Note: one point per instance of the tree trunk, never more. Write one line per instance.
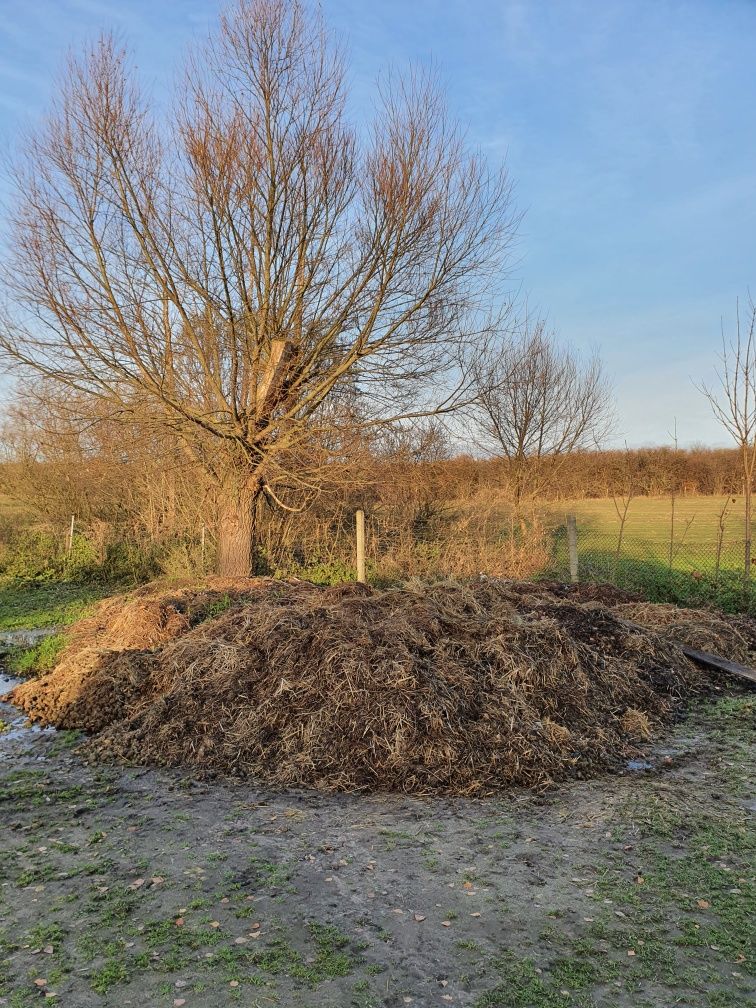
(236, 535)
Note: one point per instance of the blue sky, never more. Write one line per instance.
(627, 126)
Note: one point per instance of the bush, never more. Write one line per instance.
(32, 554)
(82, 561)
(319, 570)
(182, 560)
(128, 561)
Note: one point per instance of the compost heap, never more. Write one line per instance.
(428, 688)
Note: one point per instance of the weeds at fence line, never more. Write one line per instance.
(701, 564)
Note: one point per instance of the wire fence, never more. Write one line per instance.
(709, 568)
(688, 553)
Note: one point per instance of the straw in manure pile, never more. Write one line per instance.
(732, 637)
(430, 688)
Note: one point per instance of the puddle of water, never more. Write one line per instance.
(7, 683)
(24, 638)
(17, 723)
(639, 764)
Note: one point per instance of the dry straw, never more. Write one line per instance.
(429, 688)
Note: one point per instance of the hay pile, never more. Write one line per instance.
(97, 678)
(432, 688)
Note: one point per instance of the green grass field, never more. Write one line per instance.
(698, 571)
(648, 530)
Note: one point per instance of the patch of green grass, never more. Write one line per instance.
(46, 934)
(270, 874)
(91, 944)
(35, 874)
(331, 959)
(732, 713)
(23, 999)
(22, 784)
(113, 973)
(696, 883)
(38, 659)
(116, 905)
(576, 974)
(166, 935)
(219, 606)
(468, 945)
(522, 985)
(65, 739)
(230, 960)
(396, 838)
(27, 605)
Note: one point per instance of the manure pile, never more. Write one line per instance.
(429, 688)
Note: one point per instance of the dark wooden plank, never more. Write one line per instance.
(720, 664)
(704, 658)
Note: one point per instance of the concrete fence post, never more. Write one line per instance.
(572, 547)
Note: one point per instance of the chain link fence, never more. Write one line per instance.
(707, 569)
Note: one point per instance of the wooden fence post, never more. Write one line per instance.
(71, 534)
(572, 547)
(359, 519)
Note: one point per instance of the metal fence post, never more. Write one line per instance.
(572, 547)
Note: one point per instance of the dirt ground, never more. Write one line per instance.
(141, 887)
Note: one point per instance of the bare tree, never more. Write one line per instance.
(538, 402)
(733, 404)
(64, 454)
(622, 498)
(251, 272)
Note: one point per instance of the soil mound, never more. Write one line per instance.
(98, 676)
(606, 594)
(428, 688)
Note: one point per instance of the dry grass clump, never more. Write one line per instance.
(101, 670)
(431, 688)
(732, 637)
(636, 724)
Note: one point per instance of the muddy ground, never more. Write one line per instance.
(123, 886)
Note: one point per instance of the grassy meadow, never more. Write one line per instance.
(648, 529)
(704, 566)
